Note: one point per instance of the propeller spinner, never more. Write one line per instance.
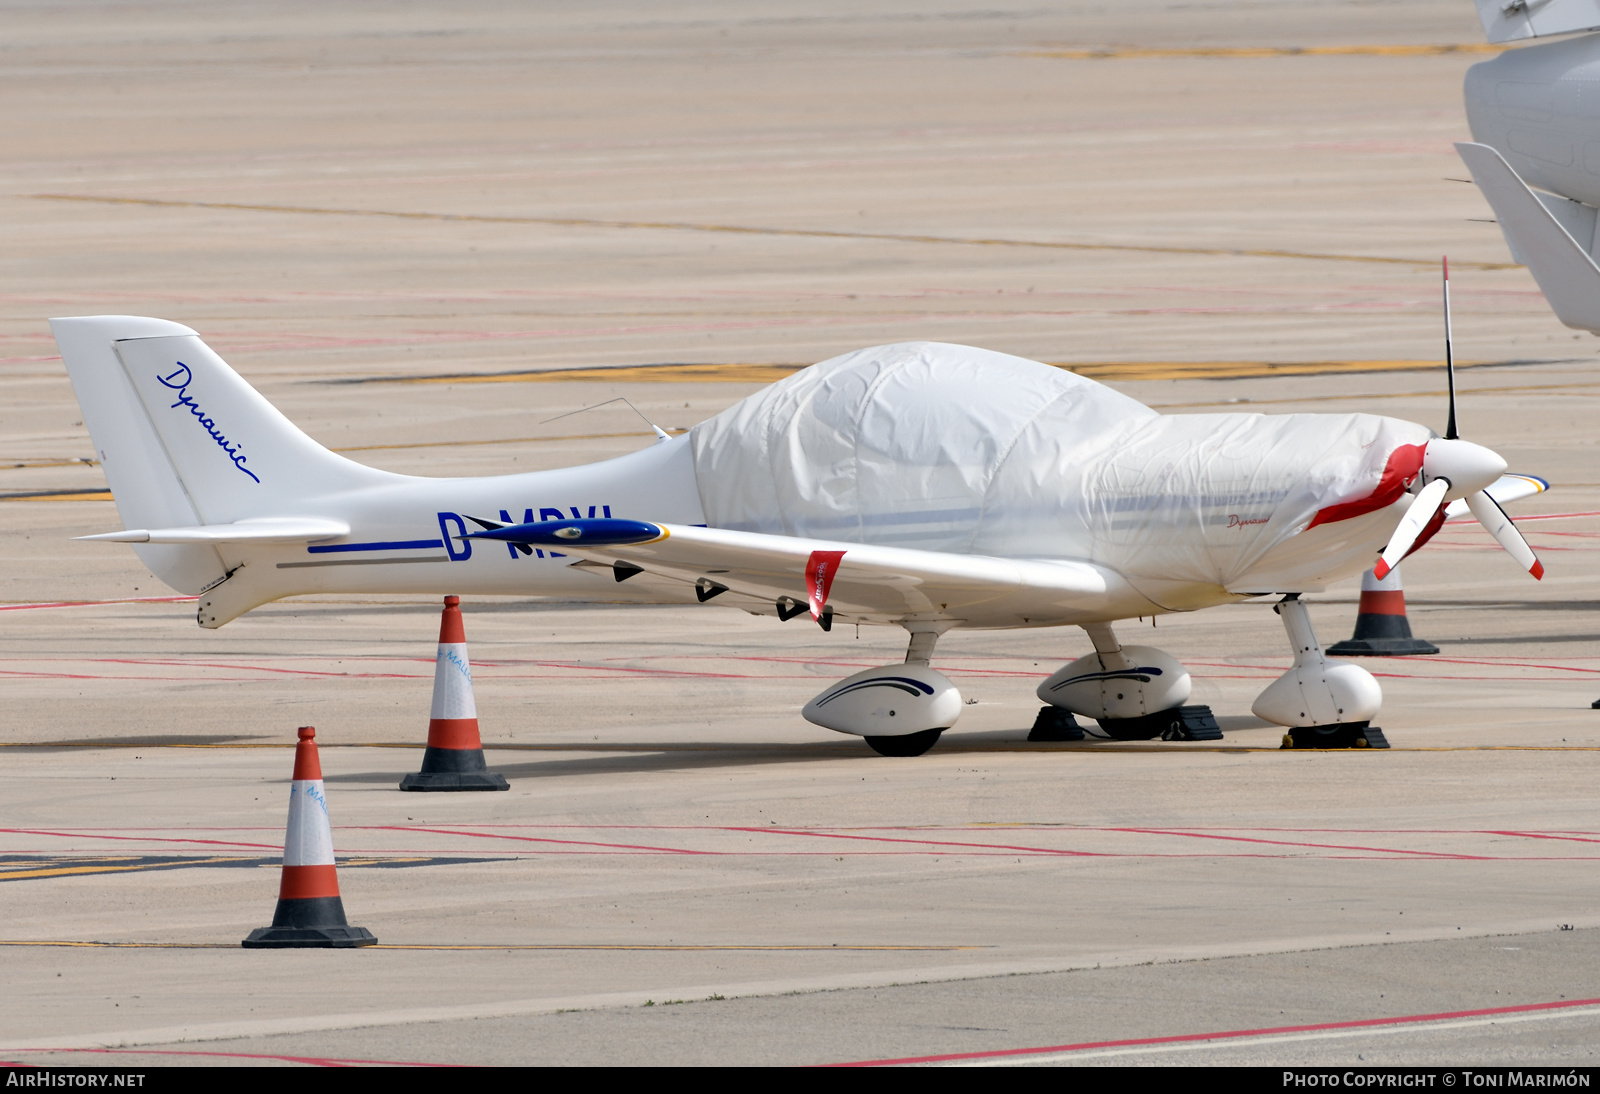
(1451, 469)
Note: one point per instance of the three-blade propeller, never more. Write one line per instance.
(1451, 469)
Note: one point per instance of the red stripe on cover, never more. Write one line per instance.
(1404, 463)
(454, 733)
(450, 628)
(307, 765)
(1383, 602)
(304, 882)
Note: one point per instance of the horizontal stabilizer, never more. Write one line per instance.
(1566, 274)
(262, 530)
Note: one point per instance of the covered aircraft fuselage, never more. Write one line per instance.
(944, 449)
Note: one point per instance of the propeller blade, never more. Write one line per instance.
(1416, 519)
(1450, 433)
(1497, 524)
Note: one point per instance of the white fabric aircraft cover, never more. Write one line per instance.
(950, 448)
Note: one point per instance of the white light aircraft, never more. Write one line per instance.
(919, 485)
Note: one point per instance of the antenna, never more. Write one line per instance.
(1450, 433)
(661, 434)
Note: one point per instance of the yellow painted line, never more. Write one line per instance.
(87, 495)
(1115, 54)
(537, 947)
(68, 871)
(821, 748)
(667, 948)
(770, 373)
(670, 374)
(120, 945)
(755, 230)
(503, 440)
(1245, 404)
(1245, 370)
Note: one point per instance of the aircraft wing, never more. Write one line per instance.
(1505, 490)
(786, 575)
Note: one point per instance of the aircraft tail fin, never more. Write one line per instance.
(184, 441)
(1541, 238)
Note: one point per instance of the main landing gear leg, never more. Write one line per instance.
(919, 651)
(1135, 693)
(1323, 703)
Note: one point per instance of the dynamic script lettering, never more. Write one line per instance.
(179, 382)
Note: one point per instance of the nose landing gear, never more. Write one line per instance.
(1324, 703)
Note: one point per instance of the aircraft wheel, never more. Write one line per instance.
(912, 744)
(1166, 724)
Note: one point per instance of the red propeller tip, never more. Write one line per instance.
(1537, 570)
(1381, 570)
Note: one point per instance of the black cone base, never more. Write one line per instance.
(324, 938)
(1341, 735)
(454, 769)
(1382, 647)
(315, 922)
(1382, 636)
(454, 780)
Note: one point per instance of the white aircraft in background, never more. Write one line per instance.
(1535, 119)
(919, 485)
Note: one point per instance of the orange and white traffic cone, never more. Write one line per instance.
(1382, 629)
(454, 759)
(309, 912)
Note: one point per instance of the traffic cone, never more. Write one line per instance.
(309, 912)
(1382, 629)
(454, 759)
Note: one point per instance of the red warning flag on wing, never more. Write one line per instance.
(820, 568)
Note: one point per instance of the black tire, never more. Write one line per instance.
(911, 744)
(1147, 728)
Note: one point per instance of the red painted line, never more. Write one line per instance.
(543, 839)
(1422, 661)
(1510, 664)
(92, 603)
(149, 839)
(1010, 848)
(1552, 516)
(314, 1061)
(1545, 835)
(1292, 843)
(167, 663)
(1222, 1035)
